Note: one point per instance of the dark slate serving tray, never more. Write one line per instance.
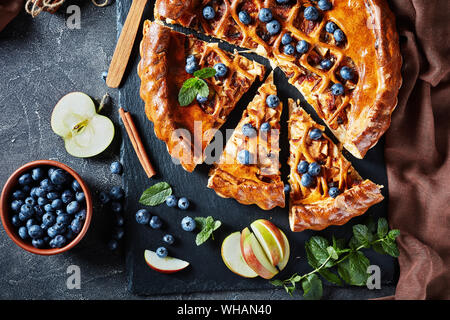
(207, 271)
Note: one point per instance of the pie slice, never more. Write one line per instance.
(249, 168)
(162, 69)
(325, 188)
(348, 69)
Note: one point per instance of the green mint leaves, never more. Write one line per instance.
(156, 194)
(339, 262)
(193, 86)
(208, 226)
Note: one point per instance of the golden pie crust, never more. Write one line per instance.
(313, 208)
(371, 49)
(259, 182)
(188, 130)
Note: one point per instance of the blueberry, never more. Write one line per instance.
(315, 134)
(26, 189)
(50, 171)
(244, 17)
(248, 130)
(116, 207)
(59, 211)
(188, 224)
(201, 99)
(80, 197)
(23, 233)
(286, 39)
(27, 210)
(337, 89)
(30, 222)
(16, 205)
(143, 216)
(118, 233)
(346, 73)
(324, 5)
(53, 195)
(73, 207)
(104, 75)
(48, 219)
(209, 13)
(244, 157)
(15, 220)
(69, 234)
(191, 67)
(272, 101)
(33, 192)
(25, 179)
(65, 219)
(221, 70)
(333, 192)
(265, 15)
(171, 201)
(58, 242)
(35, 232)
(76, 225)
(37, 174)
(282, 1)
(326, 64)
(59, 227)
(116, 167)
(113, 245)
(162, 252)
(330, 27)
(306, 180)
(190, 58)
(302, 167)
(40, 192)
(118, 219)
(30, 201)
(76, 186)
(42, 201)
(104, 197)
(59, 176)
(265, 127)
(273, 27)
(302, 46)
(314, 169)
(117, 193)
(67, 196)
(38, 211)
(311, 13)
(47, 185)
(289, 49)
(155, 222)
(287, 187)
(183, 203)
(38, 243)
(81, 215)
(169, 239)
(18, 195)
(338, 35)
(51, 232)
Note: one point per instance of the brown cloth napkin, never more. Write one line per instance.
(9, 9)
(417, 151)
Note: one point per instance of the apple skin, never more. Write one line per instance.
(282, 264)
(255, 257)
(232, 256)
(271, 239)
(164, 265)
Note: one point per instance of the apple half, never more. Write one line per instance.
(232, 256)
(271, 240)
(164, 265)
(85, 132)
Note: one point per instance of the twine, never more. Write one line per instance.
(35, 7)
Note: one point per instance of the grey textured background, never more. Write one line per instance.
(40, 61)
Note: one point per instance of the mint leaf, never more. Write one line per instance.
(205, 73)
(156, 194)
(370, 223)
(390, 247)
(277, 283)
(216, 225)
(316, 251)
(393, 234)
(312, 287)
(353, 270)
(330, 276)
(188, 91)
(332, 253)
(202, 88)
(362, 235)
(383, 228)
(207, 226)
(200, 221)
(202, 236)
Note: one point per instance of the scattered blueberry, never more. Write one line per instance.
(265, 15)
(190, 59)
(183, 203)
(333, 192)
(104, 75)
(314, 169)
(113, 245)
(338, 35)
(117, 193)
(118, 233)
(118, 219)
(273, 27)
(248, 130)
(306, 180)
(169, 239)
(209, 13)
(37, 174)
(73, 207)
(116, 167)
(324, 5)
(162, 252)
(289, 49)
(25, 179)
(346, 73)
(244, 157)
(265, 127)
(287, 187)
(302, 46)
(315, 134)
(244, 17)
(311, 13)
(337, 89)
(272, 101)
(201, 99)
(116, 207)
(58, 176)
(104, 197)
(330, 27)
(171, 201)
(326, 64)
(221, 70)
(143, 216)
(191, 67)
(303, 167)
(155, 222)
(286, 39)
(188, 224)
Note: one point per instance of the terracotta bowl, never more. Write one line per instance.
(5, 210)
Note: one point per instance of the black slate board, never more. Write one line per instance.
(207, 272)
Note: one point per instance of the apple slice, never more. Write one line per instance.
(232, 256)
(85, 132)
(255, 257)
(282, 264)
(164, 265)
(271, 240)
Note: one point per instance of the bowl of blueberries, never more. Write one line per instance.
(46, 207)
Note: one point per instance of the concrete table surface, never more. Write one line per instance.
(41, 61)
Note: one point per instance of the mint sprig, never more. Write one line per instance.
(156, 194)
(208, 226)
(348, 260)
(196, 85)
